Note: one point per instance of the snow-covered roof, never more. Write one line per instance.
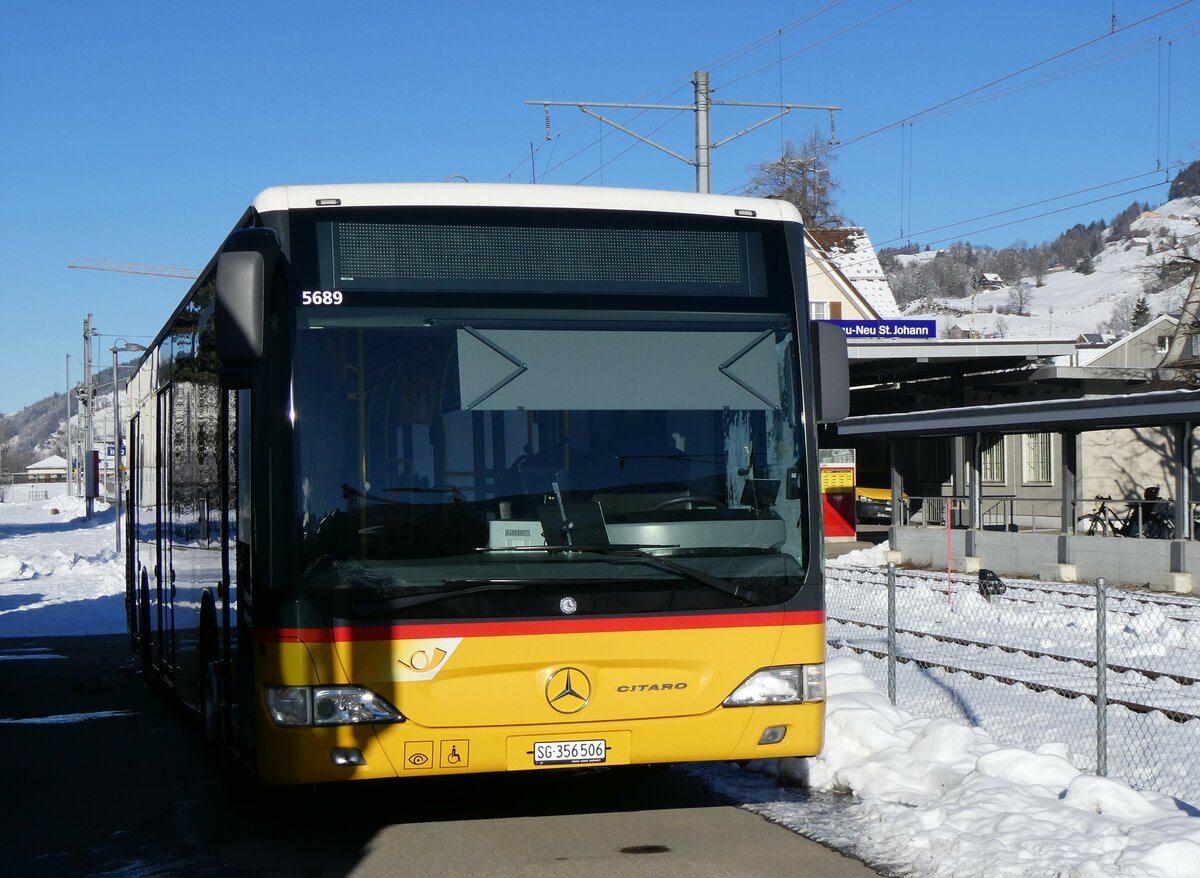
(1154, 327)
(851, 251)
(51, 463)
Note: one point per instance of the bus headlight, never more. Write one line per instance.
(328, 706)
(786, 685)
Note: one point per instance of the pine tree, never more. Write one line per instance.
(1141, 314)
(1186, 183)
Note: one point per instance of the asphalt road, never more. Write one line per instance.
(131, 792)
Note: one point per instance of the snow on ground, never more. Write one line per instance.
(60, 573)
(927, 796)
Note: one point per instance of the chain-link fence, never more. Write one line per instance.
(1110, 674)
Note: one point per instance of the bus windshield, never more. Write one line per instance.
(452, 463)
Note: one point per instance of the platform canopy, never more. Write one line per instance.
(1062, 415)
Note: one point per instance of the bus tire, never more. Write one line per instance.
(209, 674)
(210, 704)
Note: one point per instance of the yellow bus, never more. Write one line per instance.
(445, 478)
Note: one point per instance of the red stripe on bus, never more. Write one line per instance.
(346, 633)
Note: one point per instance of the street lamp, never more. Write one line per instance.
(119, 346)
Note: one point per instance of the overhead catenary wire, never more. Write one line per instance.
(954, 104)
(1039, 203)
(1046, 213)
(982, 93)
(921, 114)
(819, 42)
(1170, 44)
(1120, 54)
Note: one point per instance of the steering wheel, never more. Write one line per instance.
(690, 502)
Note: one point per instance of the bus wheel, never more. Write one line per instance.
(210, 673)
(210, 703)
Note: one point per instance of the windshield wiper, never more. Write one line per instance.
(465, 587)
(746, 597)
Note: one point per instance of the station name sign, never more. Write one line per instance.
(888, 328)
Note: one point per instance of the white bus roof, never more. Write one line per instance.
(518, 195)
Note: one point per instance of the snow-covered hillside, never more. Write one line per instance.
(1070, 304)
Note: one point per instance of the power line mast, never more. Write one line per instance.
(86, 393)
(701, 106)
(86, 467)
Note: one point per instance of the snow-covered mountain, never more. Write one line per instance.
(1071, 303)
(40, 429)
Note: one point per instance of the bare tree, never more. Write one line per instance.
(1038, 263)
(1020, 297)
(802, 176)
(1120, 321)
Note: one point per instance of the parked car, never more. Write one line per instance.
(873, 504)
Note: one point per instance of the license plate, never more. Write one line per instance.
(569, 752)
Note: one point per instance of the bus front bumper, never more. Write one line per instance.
(405, 749)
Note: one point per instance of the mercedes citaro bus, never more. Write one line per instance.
(446, 478)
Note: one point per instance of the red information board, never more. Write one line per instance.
(838, 473)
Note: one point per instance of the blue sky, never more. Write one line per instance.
(138, 132)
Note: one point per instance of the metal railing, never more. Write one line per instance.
(942, 510)
(1133, 517)
(997, 512)
(992, 653)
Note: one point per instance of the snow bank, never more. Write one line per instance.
(948, 799)
(875, 556)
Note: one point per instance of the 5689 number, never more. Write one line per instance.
(321, 297)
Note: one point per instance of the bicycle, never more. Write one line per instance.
(1157, 516)
(1105, 521)
(1149, 517)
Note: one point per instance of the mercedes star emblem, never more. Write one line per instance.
(568, 690)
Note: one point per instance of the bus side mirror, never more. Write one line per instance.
(245, 266)
(831, 362)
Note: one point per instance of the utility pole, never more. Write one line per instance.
(70, 450)
(86, 465)
(116, 420)
(700, 106)
(117, 471)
